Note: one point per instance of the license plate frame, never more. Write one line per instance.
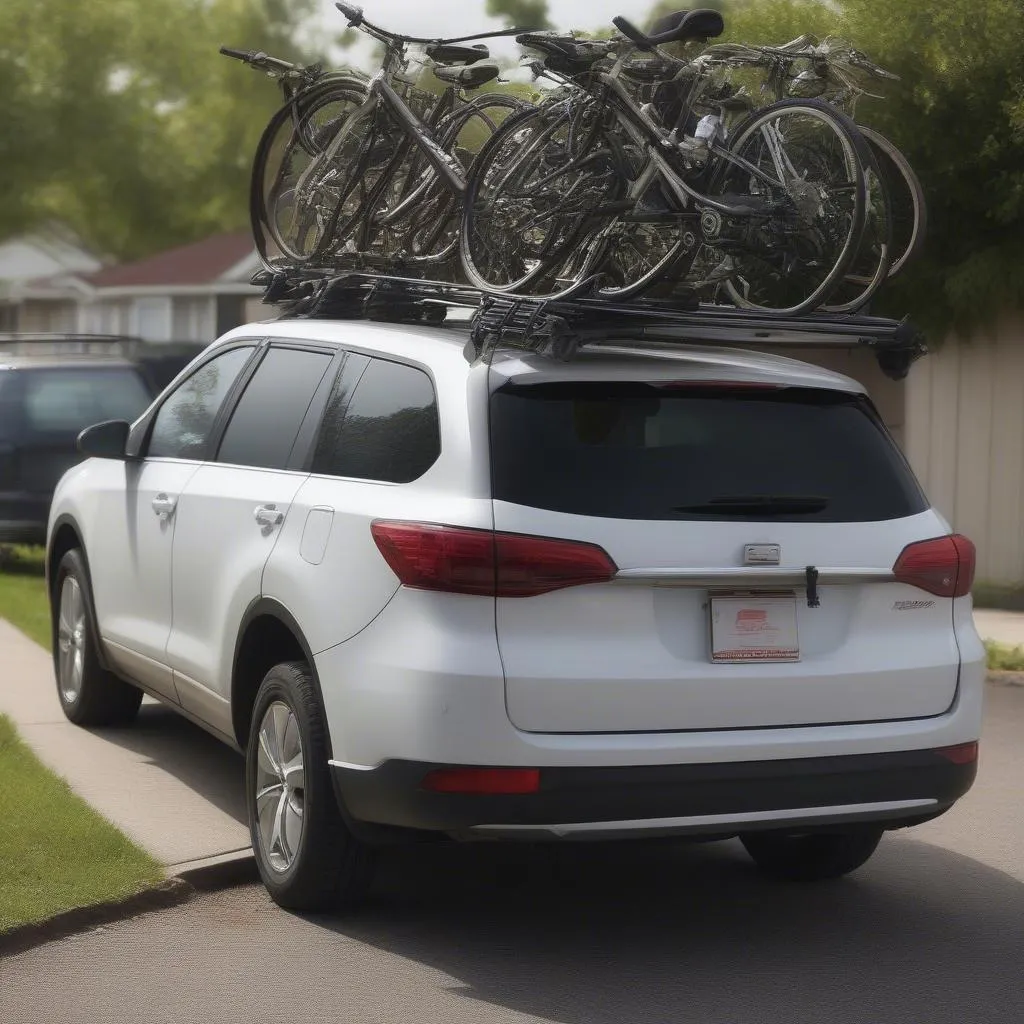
(753, 628)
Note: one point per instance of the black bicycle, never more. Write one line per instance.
(369, 172)
(593, 191)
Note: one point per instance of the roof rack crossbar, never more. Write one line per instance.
(559, 328)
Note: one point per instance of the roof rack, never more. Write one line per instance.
(559, 328)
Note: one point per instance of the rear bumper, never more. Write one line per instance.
(895, 789)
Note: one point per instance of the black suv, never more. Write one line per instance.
(45, 402)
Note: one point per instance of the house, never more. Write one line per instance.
(191, 293)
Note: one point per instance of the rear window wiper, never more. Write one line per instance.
(759, 504)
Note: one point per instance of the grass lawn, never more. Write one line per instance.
(57, 853)
(23, 592)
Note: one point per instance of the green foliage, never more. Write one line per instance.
(957, 113)
(526, 14)
(121, 119)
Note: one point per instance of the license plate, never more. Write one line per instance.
(746, 629)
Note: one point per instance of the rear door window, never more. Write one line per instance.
(266, 421)
(646, 451)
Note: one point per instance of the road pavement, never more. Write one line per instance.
(931, 931)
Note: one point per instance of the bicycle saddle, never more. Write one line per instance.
(453, 53)
(675, 28)
(564, 53)
(468, 76)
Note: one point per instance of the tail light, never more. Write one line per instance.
(962, 753)
(463, 561)
(481, 781)
(943, 566)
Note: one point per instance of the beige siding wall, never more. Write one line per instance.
(256, 310)
(965, 440)
(38, 317)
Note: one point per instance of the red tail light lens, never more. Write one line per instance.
(462, 561)
(489, 781)
(962, 753)
(943, 566)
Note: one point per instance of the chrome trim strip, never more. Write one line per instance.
(750, 576)
(792, 815)
(353, 767)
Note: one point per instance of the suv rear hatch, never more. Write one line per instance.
(712, 498)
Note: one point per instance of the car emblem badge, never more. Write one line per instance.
(762, 554)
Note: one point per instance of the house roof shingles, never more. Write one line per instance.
(196, 264)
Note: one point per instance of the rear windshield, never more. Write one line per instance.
(66, 400)
(645, 451)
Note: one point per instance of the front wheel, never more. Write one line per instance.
(88, 693)
(307, 858)
(798, 169)
(813, 856)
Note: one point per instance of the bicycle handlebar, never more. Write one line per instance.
(630, 31)
(259, 59)
(246, 56)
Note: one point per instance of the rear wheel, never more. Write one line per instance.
(802, 174)
(812, 856)
(88, 694)
(307, 858)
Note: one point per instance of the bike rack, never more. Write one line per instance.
(559, 328)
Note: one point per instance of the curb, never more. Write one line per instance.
(191, 879)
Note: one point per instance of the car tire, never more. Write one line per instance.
(89, 695)
(813, 856)
(307, 857)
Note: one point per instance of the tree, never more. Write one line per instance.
(526, 14)
(121, 119)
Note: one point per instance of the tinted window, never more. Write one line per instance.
(637, 451)
(389, 431)
(66, 401)
(267, 418)
(186, 418)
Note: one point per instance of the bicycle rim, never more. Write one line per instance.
(789, 255)
(531, 222)
(906, 199)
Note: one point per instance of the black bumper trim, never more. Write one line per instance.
(391, 794)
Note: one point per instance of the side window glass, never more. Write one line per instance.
(390, 430)
(266, 420)
(185, 420)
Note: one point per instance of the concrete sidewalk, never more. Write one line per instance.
(174, 790)
(1003, 627)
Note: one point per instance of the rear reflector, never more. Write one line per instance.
(483, 781)
(943, 566)
(963, 753)
(463, 561)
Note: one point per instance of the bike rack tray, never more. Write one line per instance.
(559, 328)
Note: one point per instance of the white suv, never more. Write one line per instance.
(651, 590)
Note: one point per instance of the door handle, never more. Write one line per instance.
(163, 505)
(268, 515)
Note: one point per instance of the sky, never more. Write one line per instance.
(462, 17)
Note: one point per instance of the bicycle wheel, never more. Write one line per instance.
(869, 268)
(431, 212)
(798, 166)
(537, 203)
(906, 199)
(291, 198)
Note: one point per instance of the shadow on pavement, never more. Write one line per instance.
(202, 762)
(671, 932)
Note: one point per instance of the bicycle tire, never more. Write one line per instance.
(551, 249)
(898, 177)
(285, 141)
(855, 155)
(869, 268)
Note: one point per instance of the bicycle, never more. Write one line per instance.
(832, 70)
(591, 190)
(374, 182)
